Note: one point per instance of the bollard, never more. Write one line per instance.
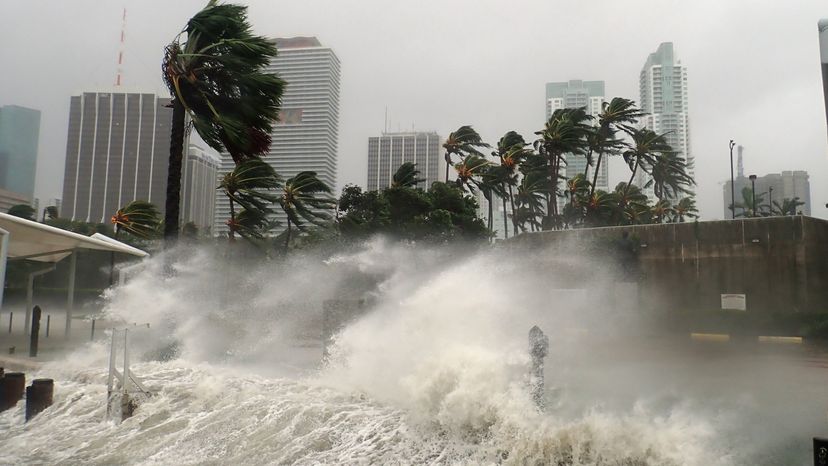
(820, 451)
(538, 348)
(92, 337)
(35, 335)
(48, 322)
(11, 389)
(11, 316)
(39, 396)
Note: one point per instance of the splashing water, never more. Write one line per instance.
(433, 372)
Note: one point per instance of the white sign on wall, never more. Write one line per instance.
(736, 302)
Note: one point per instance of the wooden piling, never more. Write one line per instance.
(48, 324)
(39, 396)
(11, 317)
(35, 335)
(12, 386)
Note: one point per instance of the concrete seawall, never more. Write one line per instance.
(779, 263)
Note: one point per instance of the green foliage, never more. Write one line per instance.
(463, 142)
(138, 218)
(23, 211)
(407, 176)
(253, 185)
(219, 75)
(442, 213)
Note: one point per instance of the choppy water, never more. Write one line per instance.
(433, 374)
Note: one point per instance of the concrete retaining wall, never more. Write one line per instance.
(780, 263)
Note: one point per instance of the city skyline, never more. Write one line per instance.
(389, 72)
(387, 152)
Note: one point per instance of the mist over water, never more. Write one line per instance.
(434, 371)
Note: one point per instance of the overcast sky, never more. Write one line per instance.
(753, 68)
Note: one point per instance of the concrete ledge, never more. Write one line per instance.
(718, 337)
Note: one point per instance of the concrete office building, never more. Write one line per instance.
(663, 88)
(387, 152)
(575, 94)
(773, 187)
(199, 181)
(117, 151)
(19, 135)
(307, 135)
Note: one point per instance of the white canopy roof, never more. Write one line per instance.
(38, 242)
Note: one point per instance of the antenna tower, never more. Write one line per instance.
(121, 50)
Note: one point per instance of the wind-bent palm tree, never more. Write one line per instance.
(301, 201)
(406, 176)
(529, 199)
(253, 185)
(788, 206)
(686, 207)
(617, 114)
(662, 210)
(463, 142)
(565, 132)
(635, 208)
(217, 76)
(139, 218)
(747, 201)
(646, 146)
(511, 150)
(669, 177)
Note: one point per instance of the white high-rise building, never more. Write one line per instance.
(575, 94)
(663, 86)
(199, 180)
(305, 138)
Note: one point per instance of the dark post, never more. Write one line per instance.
(538, 348)
(753, 193)
(770, 200)
(11, 389)
(39, 396)
(48, 323)
(820, 451)
(732, 184)
(92, 337)
(35, 331)
(11, 316)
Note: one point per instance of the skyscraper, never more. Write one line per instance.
(117, 151)
(663, 86)
(823, 55)
(307, 134)
(19, 134)
(773, 187)
(199, 180)
(575, 94)
(387, 152)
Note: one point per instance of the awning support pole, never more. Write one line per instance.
(30, 295)
(70, 297)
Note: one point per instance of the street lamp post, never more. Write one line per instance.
(732, 184)
(770, 200)
(753, 193)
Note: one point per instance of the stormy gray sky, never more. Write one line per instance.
(753, 68)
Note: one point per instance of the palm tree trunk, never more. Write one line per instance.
(627, 188)
(173, 201)
(491, 220)
(505, 219)
(595, 175)
(287, 238)
(232, 234)
(512, 204)
(448, 164)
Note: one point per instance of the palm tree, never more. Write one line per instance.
(406, 176)
(565, 132)
(139, 218)
(50, 213)
(635, 208)
(662, 210)
(218, 77)
(301, 202)
(787, 206)
(463, 142)
(686, 207)
(619, 113)
(600, 208)
(529, 199)
(669, 177)
(252, 185)
(747, 201)
(511, 150)
(646, 146)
